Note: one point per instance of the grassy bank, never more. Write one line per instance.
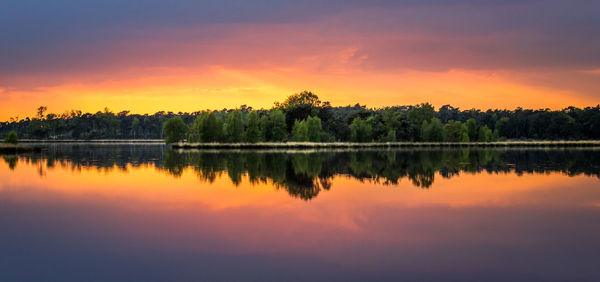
(314, 145)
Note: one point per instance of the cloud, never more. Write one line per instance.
(543, 44)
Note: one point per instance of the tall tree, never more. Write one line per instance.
(266, 128)
(252, 130)
(135, 127)
(300, 131)
(315, 129)
(485, 134)
(416, 116)
(472, 129)
(279, 132)
(212, 128)
(235, 127)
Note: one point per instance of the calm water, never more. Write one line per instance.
(145, 213)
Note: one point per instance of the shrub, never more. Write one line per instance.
(11, 138)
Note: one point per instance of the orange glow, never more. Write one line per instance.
(139, 202)
(146, 184)
(192, 90)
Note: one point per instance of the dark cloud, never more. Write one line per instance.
(73, 36)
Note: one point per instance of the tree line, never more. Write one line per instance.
(304, 117)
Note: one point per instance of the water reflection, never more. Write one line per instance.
(304, 174)
(143, 213)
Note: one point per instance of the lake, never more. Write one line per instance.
(148, 213)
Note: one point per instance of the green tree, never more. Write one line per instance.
(304, 97)
(390, 136)
(432, 131)
(300, 131)
(315, 129)
(501, 127)
(252, 130)
(266, 128)
(464, 137)
(472, 129)
(175, 130)
(455, 131)
(234, 127)
(485, 134)
(212, 128)
(416, 116)
(11, 138)
(278, 131)
(135, 127)
(360, 131)
(198, 127)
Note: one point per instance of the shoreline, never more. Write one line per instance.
(349, 145)
(28, 145)
(94, 141)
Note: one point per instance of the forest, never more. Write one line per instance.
(303, 117)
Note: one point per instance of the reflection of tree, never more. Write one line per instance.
(175, 163)
(11, 161)
(305, 174)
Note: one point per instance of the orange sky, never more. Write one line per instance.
(493, 55)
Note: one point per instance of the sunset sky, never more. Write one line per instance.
(147, 56)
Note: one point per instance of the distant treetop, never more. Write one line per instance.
(304, 97)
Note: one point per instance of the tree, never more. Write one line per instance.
(360, 131)
(234, 127)
(252, 130)
(212, 128)
(485, 134)
(175, 130)
(135, 126)
(464, 137)
(304, 97)
(266, 128)
(455, 131)
(300, 131)
(40, 112)
(11, 138)
(502, 127)
(472, 129)
(279, 131)
(315, 129)
(416, 116)
(432, 131)
(390, 136)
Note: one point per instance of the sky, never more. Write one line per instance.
(185, 55)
